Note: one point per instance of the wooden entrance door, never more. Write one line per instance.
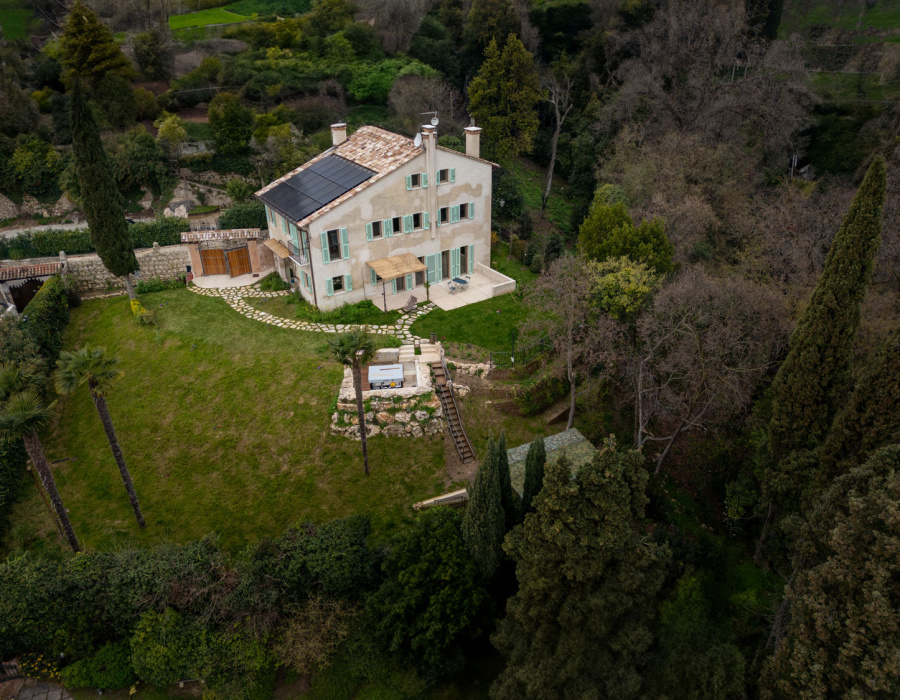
(213, 262)
(238, 262)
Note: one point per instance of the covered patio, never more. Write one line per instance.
(396, 275)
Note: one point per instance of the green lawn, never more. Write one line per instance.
(532, 180)
(215, 15)
(882, 15)
(224, 423)
(510, 267)
(285, 307)
(16, 19)
(485, 324)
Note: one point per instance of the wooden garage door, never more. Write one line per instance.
(239, 262)
(213, 262)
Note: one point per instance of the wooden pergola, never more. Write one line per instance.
(395, 267)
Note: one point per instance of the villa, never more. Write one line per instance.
(378, 215)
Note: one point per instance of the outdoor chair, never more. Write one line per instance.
(410, 304)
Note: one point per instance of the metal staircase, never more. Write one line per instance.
(444, 389)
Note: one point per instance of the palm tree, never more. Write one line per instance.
(23, 412)
(355, 349)
(97, 369)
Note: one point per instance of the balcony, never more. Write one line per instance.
(297, 255)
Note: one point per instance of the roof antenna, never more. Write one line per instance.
(434, 119)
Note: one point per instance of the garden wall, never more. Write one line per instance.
(501, 283)
(393, 416)
(88, 274)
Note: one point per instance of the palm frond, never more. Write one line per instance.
(22, 412)
(87, 365)
(352, 346)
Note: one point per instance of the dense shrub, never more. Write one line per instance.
(108, 669)
(247, 215)
(543, 393)
(165, 648)
(158, 285)
(38, 244)
(45, 318)
(218, 162)
(12, 471)
(273, 283)
(360, 313)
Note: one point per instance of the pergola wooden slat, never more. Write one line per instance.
(397, 266)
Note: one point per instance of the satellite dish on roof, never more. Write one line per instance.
(418, 140)
(434, 120)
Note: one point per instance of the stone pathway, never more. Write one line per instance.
(41, 690)
(236, 298)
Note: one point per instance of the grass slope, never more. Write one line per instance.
(16, 19)
(216, 15)
(224, 424)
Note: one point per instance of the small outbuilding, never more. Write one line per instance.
(231, 252)
(18, 285)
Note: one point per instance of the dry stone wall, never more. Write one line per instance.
(88, 274)
(396, 416)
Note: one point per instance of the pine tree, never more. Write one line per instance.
(87, 48)
(484, 524)
(508, 498)
(100, 197)
(580, 624)
(871, 419)
(843, 637)
(503, 98)
(534, 474)
(813, 380)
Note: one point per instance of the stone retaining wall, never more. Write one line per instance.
(87, 271)
(391, 416)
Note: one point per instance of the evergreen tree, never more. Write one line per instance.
(580, 624)
(87, 48)
(484, 524)
(534, 474)
(489, 20)
(231, 123)
(503, 98)
(843, 636)
(871, 419)
(813, 380)
(508, 498)
(100, 198)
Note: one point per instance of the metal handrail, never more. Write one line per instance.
(294, 250)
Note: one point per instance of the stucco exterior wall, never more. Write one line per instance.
(389, 198)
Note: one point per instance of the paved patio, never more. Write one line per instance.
(40, 690)
(479, 289)
(228, 282)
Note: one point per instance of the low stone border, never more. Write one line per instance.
(235, 297)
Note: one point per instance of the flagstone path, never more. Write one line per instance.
(236, 298)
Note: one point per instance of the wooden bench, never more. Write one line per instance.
(410, 305)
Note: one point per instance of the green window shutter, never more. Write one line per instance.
(431, 264)
(409, 182)
(454, 262)
(426, 220)
(438, 219)
(387, 228)
(407, 224)
(437, 177)
(329, 287)
(409, 282)
(326, 258)
(348, 283)
(471, 210)
(369, 232)
(393, 286)
(454, 214)
(295, 239)
(268, 214)
(372, 276)
(472, 259)
(424, 180)
(345, 243)
(452, 174)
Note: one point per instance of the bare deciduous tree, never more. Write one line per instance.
(396, 21)
(412, 95)
(582, 337)
(557, 84)
(701, 350)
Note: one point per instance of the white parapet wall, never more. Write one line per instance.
(501, 283)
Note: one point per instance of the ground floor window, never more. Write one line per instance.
(337, 283)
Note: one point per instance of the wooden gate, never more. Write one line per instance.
(238, 262)
(25, 292)
(213, 262)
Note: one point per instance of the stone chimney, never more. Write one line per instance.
(338, 133)
(473, 141)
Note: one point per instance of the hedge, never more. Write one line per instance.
(45, 318)
(39, 244)
(12, 469)
(534, 398)
(246, 215)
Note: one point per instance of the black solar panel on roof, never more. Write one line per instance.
(313, 188)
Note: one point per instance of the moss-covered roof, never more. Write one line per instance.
(576, 447)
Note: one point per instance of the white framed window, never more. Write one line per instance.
(416, 180)
(443, 216)
(338, 284)
(374, 229)
(446, 175)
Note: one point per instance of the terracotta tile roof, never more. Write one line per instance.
(220, 235)
(373, 148)
(21, 273)
(466, 155)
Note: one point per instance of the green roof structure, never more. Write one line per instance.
(576, 446)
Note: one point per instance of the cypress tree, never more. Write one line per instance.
(88, 50)
(871, 419)
(508, 498)
(100, 197)
(534, 474)
(484, 524)
(813, 380)
(581, 623)
(843, 636)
